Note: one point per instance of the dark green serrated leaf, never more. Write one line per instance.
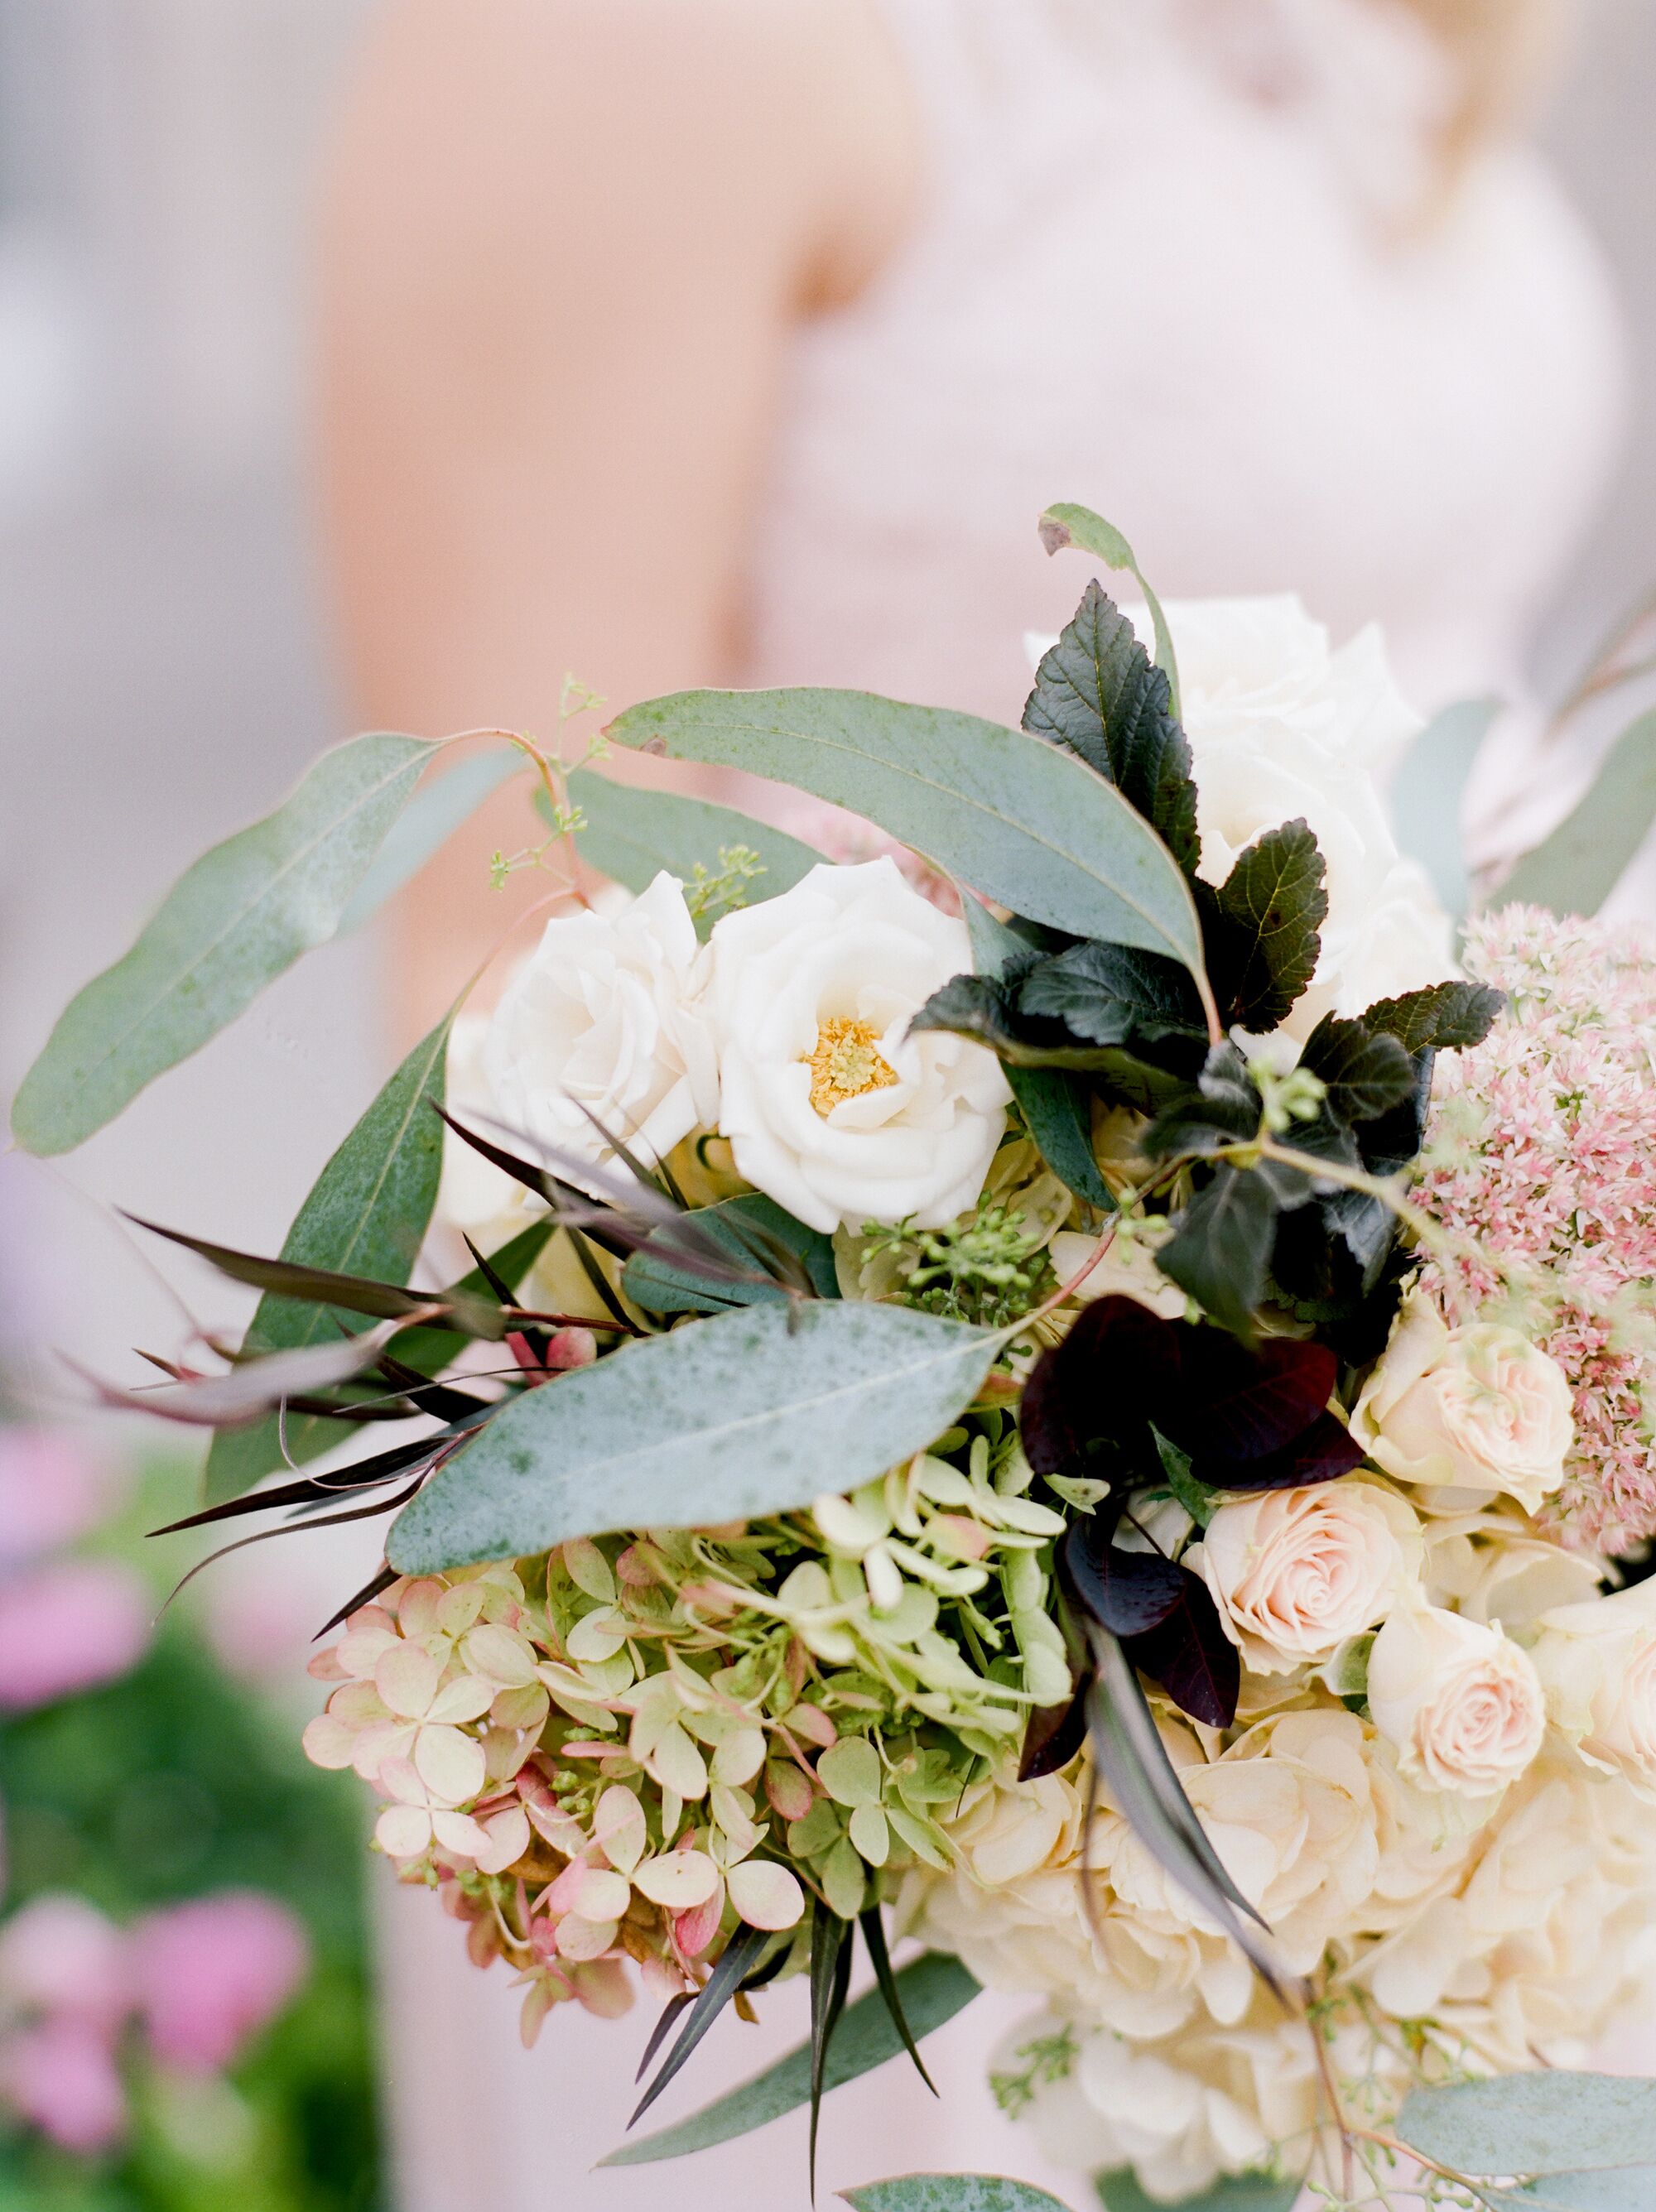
(630, 834)
(977, 1007)
(1057, 1107)
(232, 922)
(1066, 524)
(738, 1228)
(1111, 994)
(1365, 1071)
(1221, 1107)
(746, 1414)
(1023, 822)
(933, 1989)
(950, 2192)
(1219, 1252)
(1445, 1017)
(367, 1214)
(1272, 905)
(1097, 692)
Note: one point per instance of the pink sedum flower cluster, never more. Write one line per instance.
(1541, 1162)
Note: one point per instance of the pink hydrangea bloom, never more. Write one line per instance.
(60, 2076)
(53, 1489)
(60, 1956)
(67, 1627)
(1541, 1160)
(208, 1974)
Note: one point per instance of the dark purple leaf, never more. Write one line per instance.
(1116, 1364)
(1054, 1735)
(1318, 1454)
(1238, 1404)
(1191, 1655)
(1126, 1592)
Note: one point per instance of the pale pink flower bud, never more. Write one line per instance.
(60, 1956)
(211, 1973)
(571, 1347)
(68, 1628)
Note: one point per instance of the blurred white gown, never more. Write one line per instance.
(1173, 262)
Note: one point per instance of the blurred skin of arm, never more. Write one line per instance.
(564, 243)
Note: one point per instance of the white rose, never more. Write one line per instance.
(1284, 729)
(1461, 1703)
(606, 1015)
(1295, 1573)
(1598, 1663)
(830, 1106)
(1474, 1409)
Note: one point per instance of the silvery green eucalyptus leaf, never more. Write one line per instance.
(1621, 2188)
(232, 922)
(1025, 823)
(431, 819)
(1575, 869)
(1427, 789)
(367, 1214)
(1120, 2192)
(746, 1414)
(1534, 2124)
(950, 2192)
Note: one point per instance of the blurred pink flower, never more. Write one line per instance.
(60, 1956)
(53, 1489)
(68, 1628)
(61, 2076)
(207, 1973)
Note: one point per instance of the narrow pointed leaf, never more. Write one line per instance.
(740, 1953)
(1024, 824)
(631, 833)
(231, 923)
(933, 1989)
(242, 1396)
(429, 1347)
(749, 1414)
(665, 1279)
(873, 1937)
(831, 1940)
(366, 1215)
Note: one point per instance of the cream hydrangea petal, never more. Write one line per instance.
(403, 1832)
(406, 1677)
(451, 1765)
(677, 1880)
(765, 1895)
(509, 1835)
(465, 1698)
(328, 1743)
(580, 1938)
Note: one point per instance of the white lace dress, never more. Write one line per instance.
(1172, 263)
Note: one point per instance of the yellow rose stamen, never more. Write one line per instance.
(847, 1062)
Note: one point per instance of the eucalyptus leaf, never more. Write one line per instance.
(630, 834)
(934, 1987)
(1025, 823)
(234, 922)
(750, 1413)
(950, 2192)
(1057, 1108)
(1622, 2189)
(367, 1214)
(1535, 2123)
(1575, 869)
(1120, 2192)
(1428, 790)
(1067, 523)
(425, 826)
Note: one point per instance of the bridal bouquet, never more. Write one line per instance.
(1063, 1384)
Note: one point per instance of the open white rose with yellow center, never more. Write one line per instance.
(603, 1024)
(1476, 1409)
(1296, 1572)
(1460, 1703)
(1598, 1663)
(830, 1106)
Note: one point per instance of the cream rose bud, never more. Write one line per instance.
(1462, 1705)
(606, 1015)
(830, 1106)
(1478, 1409)
(1295, 1573)
(1598, 1663)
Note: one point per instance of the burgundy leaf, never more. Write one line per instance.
(1115, 1365)
(1126, 1592)
(1054, 1735)
(1191, 1655)
(1320, 1453)
(1238, 1404)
